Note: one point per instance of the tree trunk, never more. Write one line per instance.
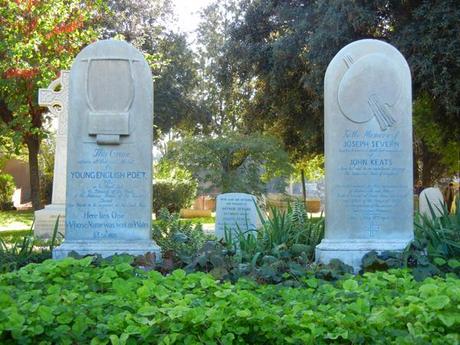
(33, 145)
(304, 192)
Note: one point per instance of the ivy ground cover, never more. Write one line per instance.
(77, 302)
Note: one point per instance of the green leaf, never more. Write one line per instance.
(243, 313)
(439, 261)
(350, 285)
(80, 325)
(453, 263)
(148, 310)
(114, 339)
(64, 318)
(438, 302)
(449, 319)
(45, 313)
(15, 322)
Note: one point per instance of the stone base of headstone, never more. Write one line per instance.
(106, 248)
(351, 252)
(45, 220)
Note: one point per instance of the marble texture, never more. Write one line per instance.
(109, 153)
(368, 152)
(433, 196)
(56, 98)
(236, 211)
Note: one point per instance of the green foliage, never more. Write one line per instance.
(279, 252)
(231, 163)
(224, 96)
(147, 25)
(434, 251)
(7, 188)
(174, 187)
(72, 301)
(173, 195)
(178, 239)
(38, 39)
(24, 250)
(440, 235)
(46, 164)
(313, 168)
(177, 109)
(286, 46)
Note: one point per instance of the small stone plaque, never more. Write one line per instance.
(368, 151)
(109, 155)
(236, 211)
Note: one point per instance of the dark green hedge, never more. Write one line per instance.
(173, 195)
(72, 302)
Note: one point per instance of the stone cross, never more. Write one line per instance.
(56, 99)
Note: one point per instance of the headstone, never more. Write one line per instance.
(56, 98)
(431, 196)
(236, 211)
(368, 149)
(109, 155)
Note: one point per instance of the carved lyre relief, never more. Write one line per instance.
(370, 88)
(110, 92)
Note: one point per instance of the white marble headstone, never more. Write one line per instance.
(368, 151)
(236, 211)
(109, 155)
(434, 197)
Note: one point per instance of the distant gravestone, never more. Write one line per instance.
(431, 196)
(368, 151)
(109, 156)
(236, 211)
(55, 98)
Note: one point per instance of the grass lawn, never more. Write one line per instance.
(201, 220)
(16, 220)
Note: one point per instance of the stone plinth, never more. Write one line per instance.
(368, 152)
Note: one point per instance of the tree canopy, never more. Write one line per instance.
(37, 40)
(286, 46)
(231, 162)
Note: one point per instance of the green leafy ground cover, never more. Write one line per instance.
(77, 301)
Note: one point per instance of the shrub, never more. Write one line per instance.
(173, 195)
(46, 190)
(17, 251)
(73, 302)
(279, 252)
(178, 239)
(434, 251)
(7, 188)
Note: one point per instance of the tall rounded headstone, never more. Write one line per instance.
(368, 151)
(109, 153)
